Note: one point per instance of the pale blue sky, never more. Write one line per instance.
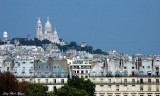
(128, 26)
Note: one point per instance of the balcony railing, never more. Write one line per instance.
(104, 75)
(130, 82)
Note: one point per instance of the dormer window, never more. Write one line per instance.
(7, 68)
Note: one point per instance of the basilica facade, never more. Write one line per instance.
(47, 34)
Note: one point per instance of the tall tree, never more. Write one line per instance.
(82, 84)
(33, 89)
(8, 84)
(70, 91)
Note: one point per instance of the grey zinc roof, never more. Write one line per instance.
(59, 70)
(44, 69)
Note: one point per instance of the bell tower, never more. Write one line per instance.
(39, 30)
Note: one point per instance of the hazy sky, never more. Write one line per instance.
(128, 26)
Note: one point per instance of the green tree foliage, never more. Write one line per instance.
(70, 91)
(73, 44)
(98, 51)
(1, 42)
(8, 84)
(21, 84)
(45, 41)
(37, 42)
(81, 84)
(33, 89)
(51, 94)
(87, 49)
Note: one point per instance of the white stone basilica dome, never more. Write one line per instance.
(48, 26)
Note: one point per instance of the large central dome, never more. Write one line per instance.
(48, 26)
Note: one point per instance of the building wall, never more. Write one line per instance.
(51, 84)
(126, 88)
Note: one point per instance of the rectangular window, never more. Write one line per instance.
(117, 87)
(133, 80)
(141, 87)
(141, 80)
(54, 88)
(101, 80)
(133, 87)
(31, 80)
(93, 80)
(82, 72)
(39, 81)
(149, 80)
(54, 80)
(157, 80)
(101, 87)
(117, 81)
(47, 81)
(149, 87)
(125, 87)
(7, 68)
(125, 80)
(148, 67)
(109, 80)
(132, 67)
(125, 95)
(62, 81)
(109, 88)
(23, 80)
(125, 67)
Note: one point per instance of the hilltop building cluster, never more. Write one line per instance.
(48, 34)
(115, 74)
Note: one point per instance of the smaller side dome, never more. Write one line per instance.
(5, 34)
